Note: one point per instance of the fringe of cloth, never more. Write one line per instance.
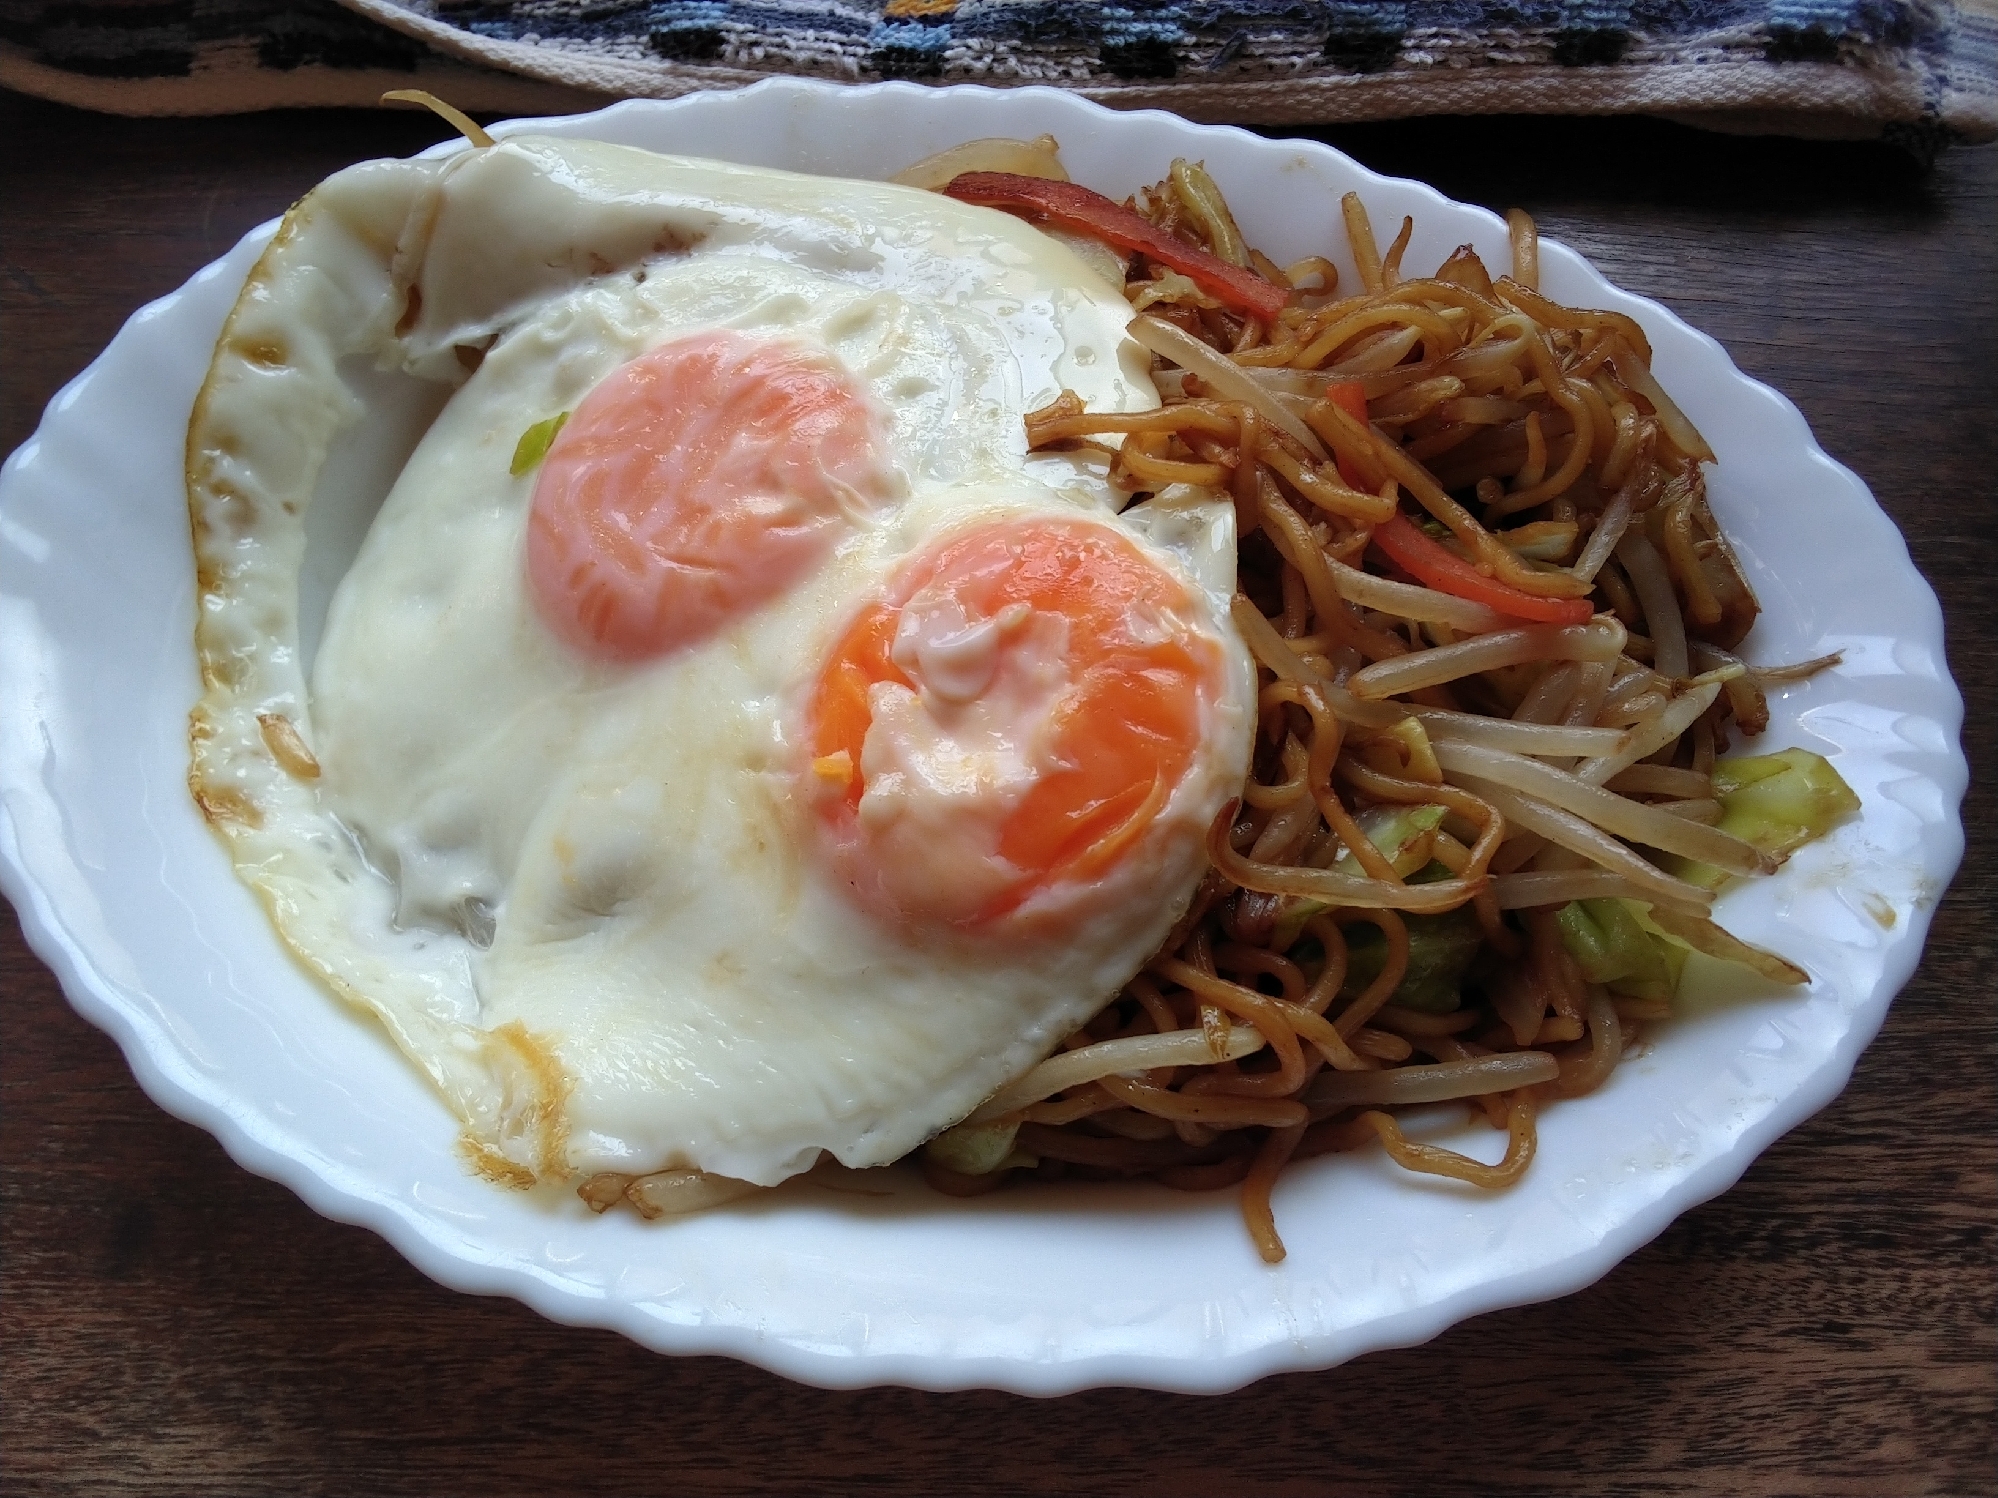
(1920, 72)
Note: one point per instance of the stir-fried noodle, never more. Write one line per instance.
(1495, 621)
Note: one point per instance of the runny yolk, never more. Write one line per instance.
(696, 482)
(1009, 721)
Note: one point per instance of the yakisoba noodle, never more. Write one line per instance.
(1495, 620)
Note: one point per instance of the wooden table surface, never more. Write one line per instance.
(174, 1324)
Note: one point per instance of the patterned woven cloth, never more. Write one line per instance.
(1923, 71)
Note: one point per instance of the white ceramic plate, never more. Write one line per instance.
(124, 891)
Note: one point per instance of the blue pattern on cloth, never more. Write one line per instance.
(1927, 69)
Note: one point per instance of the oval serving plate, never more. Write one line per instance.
(1041, 1289)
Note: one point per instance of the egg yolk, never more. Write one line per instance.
(1009, 720)
(696, 482)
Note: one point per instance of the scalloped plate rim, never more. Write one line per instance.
(443, 1253)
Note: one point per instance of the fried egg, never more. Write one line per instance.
(729, 745)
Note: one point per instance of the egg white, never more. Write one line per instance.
(580, 895)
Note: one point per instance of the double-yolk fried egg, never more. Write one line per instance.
(729, 745)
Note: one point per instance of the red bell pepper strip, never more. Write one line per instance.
(1076, 207)
(1438, 567)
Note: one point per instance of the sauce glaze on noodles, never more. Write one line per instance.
(1505, 766)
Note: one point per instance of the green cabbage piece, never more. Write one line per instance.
(978, 1149)
(1778, 802)
(1615, 944)
(534, 443)
(1440, 949)
(1402, 835)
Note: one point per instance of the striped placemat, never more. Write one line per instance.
(1921, 71)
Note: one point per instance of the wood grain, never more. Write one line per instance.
(172, 1323)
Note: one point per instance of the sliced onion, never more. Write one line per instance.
(1106, 1058)
(1106, 261)
(1039, 157)
(1224, 376)
(1404, 1085)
